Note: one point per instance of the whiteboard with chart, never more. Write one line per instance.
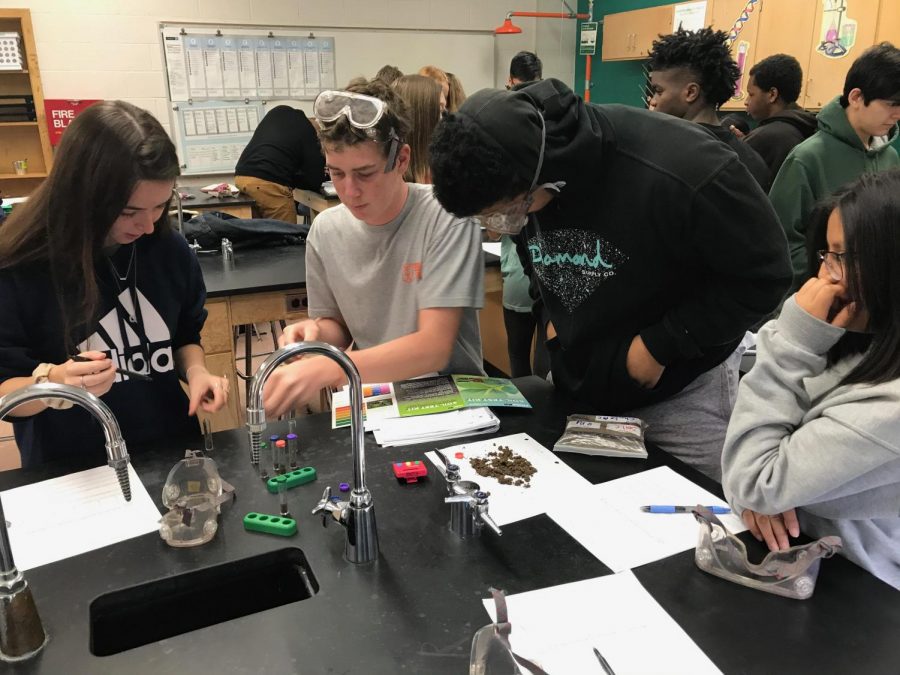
(222, 78)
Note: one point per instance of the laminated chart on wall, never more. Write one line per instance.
(209, 65)
(212, 135)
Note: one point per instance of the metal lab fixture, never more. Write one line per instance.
(21, 632)
(357, 515)
(468, 504)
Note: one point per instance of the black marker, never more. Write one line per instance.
(128, 373)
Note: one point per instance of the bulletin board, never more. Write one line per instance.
(221, 79)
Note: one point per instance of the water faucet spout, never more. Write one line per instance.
(362, 538)
(21, 632)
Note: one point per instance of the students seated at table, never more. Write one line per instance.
(282, 154)
(388, 270)
(692, 73)
(422, 97)
(651, 262)
(816, 426)
(772, 92)
(854, 137)
(90, 266)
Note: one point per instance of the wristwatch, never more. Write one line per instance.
(41, 374)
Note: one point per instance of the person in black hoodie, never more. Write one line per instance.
(691, 75)
(92, 279)
(651, 246)
(283, 154)
(772, 92)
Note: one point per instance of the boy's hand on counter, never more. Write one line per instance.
(299, 383)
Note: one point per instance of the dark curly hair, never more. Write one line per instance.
(779, 71)
(341, 133)
(470, 174)
(705, 54)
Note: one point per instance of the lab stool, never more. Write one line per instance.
(249, 330)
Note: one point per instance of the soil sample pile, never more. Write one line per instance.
(506, 466)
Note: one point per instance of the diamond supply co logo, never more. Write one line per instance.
(412, 272)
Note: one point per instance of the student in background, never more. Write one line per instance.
(523, 68)
(651, 260)
(854, 137)
(388, 74)
(772, 92)
(90, 266)
(522, 326)
(691, 75)
(816, 425)
(282, 154)
(422, 97)
(387, 270)
(441, 78)
(455, 93)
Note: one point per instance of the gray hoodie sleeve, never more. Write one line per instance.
(784, 451)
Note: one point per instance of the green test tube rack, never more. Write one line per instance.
(262, 522)
(292, 479)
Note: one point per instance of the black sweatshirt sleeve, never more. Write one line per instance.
(743, 254)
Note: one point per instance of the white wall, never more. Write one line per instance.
(110, 49)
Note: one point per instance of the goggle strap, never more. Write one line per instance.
(392, 153)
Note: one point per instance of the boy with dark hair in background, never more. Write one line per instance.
(691, 75)
(525, 67)
(854, 137)
(772, 93)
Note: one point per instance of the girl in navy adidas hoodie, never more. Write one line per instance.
(90, 267)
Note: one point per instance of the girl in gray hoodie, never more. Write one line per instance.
(816, 426)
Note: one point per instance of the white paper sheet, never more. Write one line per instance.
(509, 503)
(491, 247)
(607, 519)
(70, 515)
(437, 427)
(558, 627)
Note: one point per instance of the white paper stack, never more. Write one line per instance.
(440, 426)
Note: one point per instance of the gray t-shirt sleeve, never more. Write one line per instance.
(322, 302)
(453, 269)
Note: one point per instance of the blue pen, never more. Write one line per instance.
(661, 508)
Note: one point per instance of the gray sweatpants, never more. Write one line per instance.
(691, 424)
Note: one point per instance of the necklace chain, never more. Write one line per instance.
(132, 318)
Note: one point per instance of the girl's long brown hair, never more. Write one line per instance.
(103, 154)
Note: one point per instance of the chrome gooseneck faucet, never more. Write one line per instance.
(357, 515)
(21, 632)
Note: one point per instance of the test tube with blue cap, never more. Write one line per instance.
(293, 450)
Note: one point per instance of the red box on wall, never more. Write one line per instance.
(60, 113)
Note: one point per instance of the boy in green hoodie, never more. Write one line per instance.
(854, 137)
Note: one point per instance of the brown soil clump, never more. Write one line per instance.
(506, 466)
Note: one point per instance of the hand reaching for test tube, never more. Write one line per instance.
(302, 331)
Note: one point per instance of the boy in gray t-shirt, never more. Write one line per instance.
(388, 270)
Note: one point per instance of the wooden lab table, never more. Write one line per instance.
(316, 202)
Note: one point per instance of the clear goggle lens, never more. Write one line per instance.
(362, 111)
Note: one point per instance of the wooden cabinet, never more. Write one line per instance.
(23, 140)
(888, 29)
(722, 15)
(629, 35)
(839, 37)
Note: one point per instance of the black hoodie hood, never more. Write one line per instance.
(802, 120)
(510, 121)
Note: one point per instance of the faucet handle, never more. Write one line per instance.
(481, 512)
(327, 505)
(452, 473)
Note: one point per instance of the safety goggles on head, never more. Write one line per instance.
(512, 218)
(363, 112)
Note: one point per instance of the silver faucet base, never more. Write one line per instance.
(21, 633)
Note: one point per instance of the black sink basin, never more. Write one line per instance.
(161, 609)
